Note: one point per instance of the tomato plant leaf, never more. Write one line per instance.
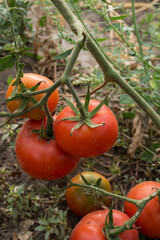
(11, 3)
(21, 4)
(155, 81)
(63, 55)
(127, 28)
(5, 20)
(42, 21)
(149, 154)
(101, 39)
(119, 17)
(126, 99)
(5, 59)
(7, 62)
(9, 79)
(115, 25)
(128, 114)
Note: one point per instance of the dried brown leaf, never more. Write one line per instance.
(137, 135)
(24, 226)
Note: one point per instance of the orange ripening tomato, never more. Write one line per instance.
(86, 141)
(81, 201)
(91, 226)
(149, 219)
(40, 158)
(30, 80)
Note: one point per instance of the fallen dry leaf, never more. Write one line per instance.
(137, 135)
(14, 236)
(24, 226)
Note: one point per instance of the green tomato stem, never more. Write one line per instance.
(12, 27)
(137, 35)
(79, 104)
(140, 204)
(111, 75)
(65, 78)
(74, 56)
(105, 193)
(49, 128)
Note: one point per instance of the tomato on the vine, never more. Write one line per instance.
(40, 158)
(92, 226)
(86, 141)
(81, 200)
(30, 80)
(149, 219)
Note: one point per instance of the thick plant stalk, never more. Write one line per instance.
(111, 75)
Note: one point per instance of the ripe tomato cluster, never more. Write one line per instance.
(54, 158)
(91, 226)
(50, 159)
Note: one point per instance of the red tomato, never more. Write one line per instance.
(82, 201)
(149, 219)
(30, 80)
(91, 226)
(40, 158)
(86, 141)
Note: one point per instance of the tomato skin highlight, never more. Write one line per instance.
(40, 158)
(149, 219)
(91, 226)
(86, 141)
(81, 203)
(30, 80)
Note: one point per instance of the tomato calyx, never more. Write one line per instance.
(43, 133)
(91, 192)
(23, 95)
(109, 226)
(88, 115)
